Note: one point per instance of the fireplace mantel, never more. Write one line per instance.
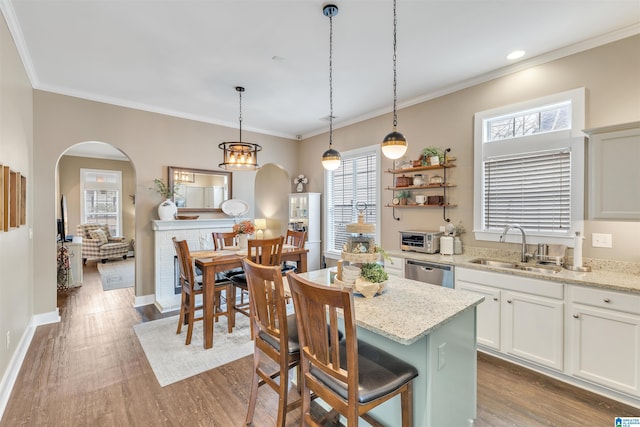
(198, 235)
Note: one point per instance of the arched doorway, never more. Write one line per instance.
(98, 182)
(272, 188)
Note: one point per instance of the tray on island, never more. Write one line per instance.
(362, 287)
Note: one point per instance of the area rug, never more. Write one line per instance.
(173, 361)
(117, 274)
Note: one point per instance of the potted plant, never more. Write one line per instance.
(403, 195)
(372, 279)
(167, 209)
(434, 154)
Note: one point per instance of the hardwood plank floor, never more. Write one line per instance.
(90, 369)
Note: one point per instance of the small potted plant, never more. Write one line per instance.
(372, 279)
(435, 155)
(167, 209)
(403, 195)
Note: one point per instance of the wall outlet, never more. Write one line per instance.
(8, 338)
(599, 240)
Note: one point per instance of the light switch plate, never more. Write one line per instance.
(599, 240)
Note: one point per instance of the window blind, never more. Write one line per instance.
(533, 191)
(349, 185)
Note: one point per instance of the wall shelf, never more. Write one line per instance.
(448, 163)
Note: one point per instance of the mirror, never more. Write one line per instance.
(199, 190)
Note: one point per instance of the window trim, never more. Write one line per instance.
(117, 187)
(572, 140)
(370, 149)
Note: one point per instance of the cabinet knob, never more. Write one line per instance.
(495, 298)
(607, 300)
(509, 301)
(575, 316)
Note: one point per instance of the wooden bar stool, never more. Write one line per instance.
(351, 376)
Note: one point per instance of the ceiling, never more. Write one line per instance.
(184, 58)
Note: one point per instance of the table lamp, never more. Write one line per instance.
(261, 224)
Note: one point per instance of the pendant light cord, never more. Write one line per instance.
(395, 47)
(240, 118)
(330, 81)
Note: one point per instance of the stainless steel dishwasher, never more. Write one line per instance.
(429, 272)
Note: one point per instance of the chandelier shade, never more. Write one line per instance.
(240, 156)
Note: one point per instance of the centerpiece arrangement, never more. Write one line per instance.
(243, 229)
(358, 267)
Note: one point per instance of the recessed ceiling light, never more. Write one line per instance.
(515, 54)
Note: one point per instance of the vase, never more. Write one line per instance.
(167, 210)
(242, 241)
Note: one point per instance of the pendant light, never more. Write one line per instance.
(240, 156)
(394, 144)
(331, 157)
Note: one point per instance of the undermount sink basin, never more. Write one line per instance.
(517, 266)
(493, 263)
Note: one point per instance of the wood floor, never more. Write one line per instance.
(89, 370)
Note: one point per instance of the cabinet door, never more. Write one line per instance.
(488, 313)
(605, 347)
(533, 328)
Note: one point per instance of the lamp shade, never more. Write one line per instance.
(261, 223)
(331, 159)
(394, 145)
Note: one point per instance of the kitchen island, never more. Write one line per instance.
(433, 328)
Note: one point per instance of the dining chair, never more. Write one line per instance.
(295, 239)
(349, 375)
(223, 240)
(275, 339)
(264, 252)
(191, 286)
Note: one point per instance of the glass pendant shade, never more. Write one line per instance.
(331, 159)
(394, 145)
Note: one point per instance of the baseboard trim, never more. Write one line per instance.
(11, 374)
(144, 300)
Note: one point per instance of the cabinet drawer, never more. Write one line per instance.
(620, 301)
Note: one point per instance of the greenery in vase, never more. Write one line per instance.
(434, 152)
(403, 194)
(163, 189)
(374, 273)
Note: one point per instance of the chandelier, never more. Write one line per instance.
(240, 156)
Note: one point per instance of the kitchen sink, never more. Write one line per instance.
(494, 263)
(517, 266)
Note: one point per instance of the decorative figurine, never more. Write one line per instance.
(300, 181)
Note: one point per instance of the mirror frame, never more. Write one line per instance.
(229, 176)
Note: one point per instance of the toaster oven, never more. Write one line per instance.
(427, 242)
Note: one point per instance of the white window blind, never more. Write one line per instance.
(533, 191)
(354, 182)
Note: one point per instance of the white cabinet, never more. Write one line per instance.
(520, 316)
(394, 266)
(533, 328)
(488, 312)
(304, 214)
(614, 176)
(75, 263)
(604, 336)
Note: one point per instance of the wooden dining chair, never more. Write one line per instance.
(350, 375)
(261, 251)
(192, 286)
(223, 240)
(275, 339)
(296, 239)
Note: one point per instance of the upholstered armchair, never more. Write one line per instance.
(97, 243)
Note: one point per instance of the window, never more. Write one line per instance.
(529, 168)
(101, 198)
(355, 183)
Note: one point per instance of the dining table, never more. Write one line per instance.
(211, 262)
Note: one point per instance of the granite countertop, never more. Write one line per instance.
(405, 312)
(624, 279)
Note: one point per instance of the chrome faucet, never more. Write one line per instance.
(523, 256)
